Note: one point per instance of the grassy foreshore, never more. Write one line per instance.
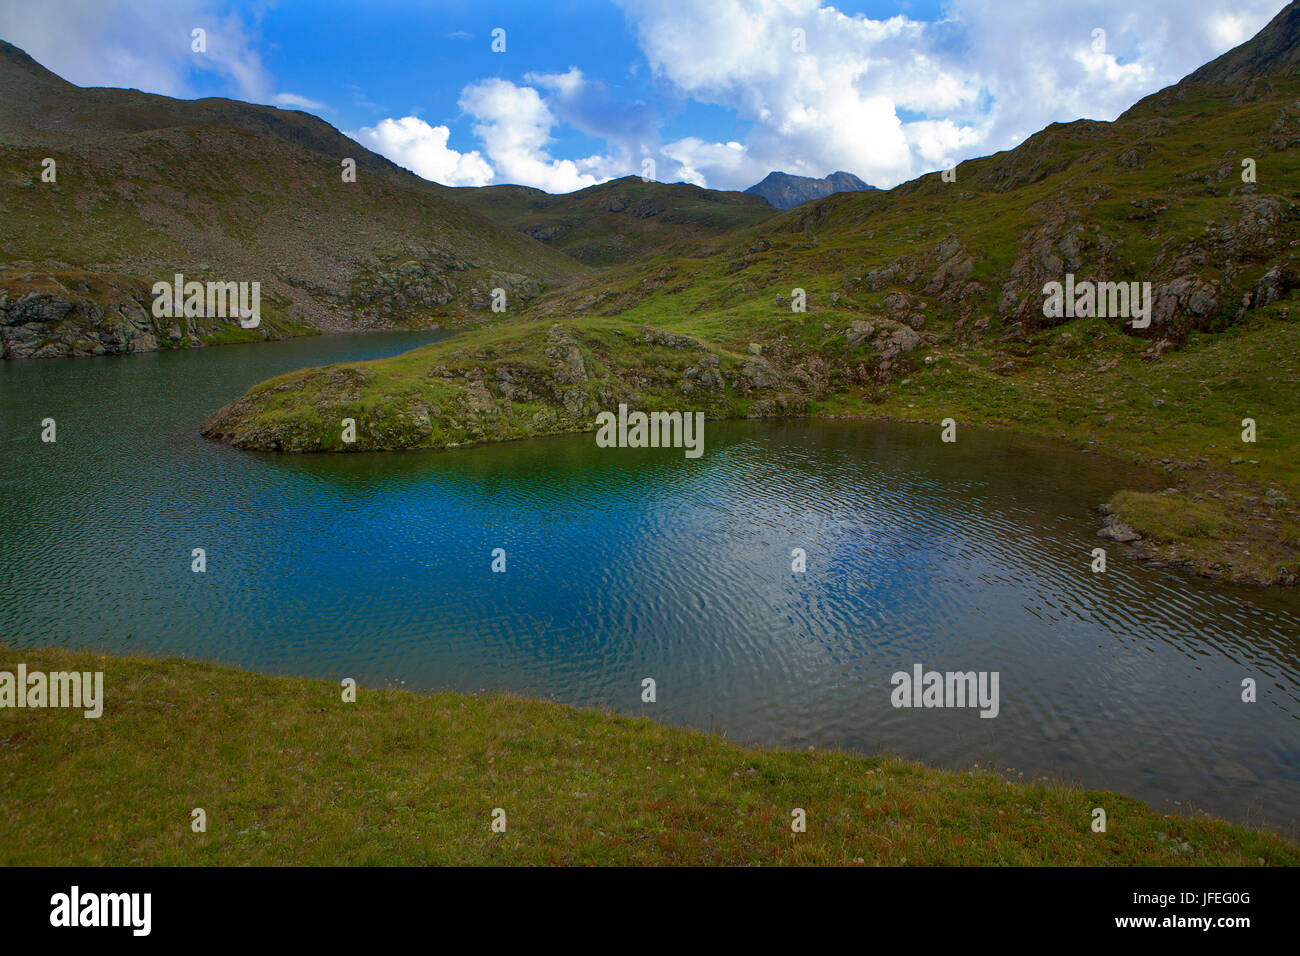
(287, 773)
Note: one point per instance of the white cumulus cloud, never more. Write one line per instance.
(891, 99)
(515, 125)
(423, 149)
(142, 45)
(803, 87)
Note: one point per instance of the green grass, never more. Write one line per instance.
(620, 220)
(287, 773)
(1170, 517)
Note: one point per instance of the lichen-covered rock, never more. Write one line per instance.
(758, 373)
(653, 336)
(1117, 531)
(1188, 302)
(56, 316)
(902, 340)
(570, 367)
(706, 375)
(858, 332)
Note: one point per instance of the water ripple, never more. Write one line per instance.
(627, 564)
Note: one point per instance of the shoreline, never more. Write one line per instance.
(1153, 552)
(1150, 548)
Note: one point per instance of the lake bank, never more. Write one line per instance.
(289, 774)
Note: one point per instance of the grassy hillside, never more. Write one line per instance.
(147, 186)
(619, 221)
(289, 774)
(925, 302)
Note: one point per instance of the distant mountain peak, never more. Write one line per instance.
(785, 190)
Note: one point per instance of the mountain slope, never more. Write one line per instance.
(1272, 52)
(147, 187)
(785, 191)
(617, 221)
(37, 106)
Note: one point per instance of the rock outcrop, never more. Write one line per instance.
(53, 316)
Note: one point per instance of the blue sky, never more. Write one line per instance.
(414, 58)
(715, 92)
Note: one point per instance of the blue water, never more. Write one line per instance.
(625, 564)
